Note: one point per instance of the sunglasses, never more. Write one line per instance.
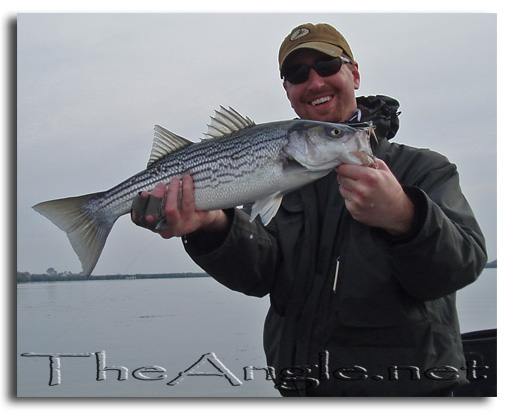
(300, 73)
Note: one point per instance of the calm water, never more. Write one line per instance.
(155, 329)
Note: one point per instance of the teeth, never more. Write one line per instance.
(320, 100)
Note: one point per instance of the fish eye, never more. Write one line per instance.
(335, 132)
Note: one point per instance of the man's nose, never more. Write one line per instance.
(315, 81)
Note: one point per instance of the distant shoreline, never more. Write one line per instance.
(492, 264)
(35, 278)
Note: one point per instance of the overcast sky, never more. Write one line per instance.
(91, 87)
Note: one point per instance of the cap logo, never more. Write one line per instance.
(299, 33)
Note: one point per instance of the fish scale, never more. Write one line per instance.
(204, 162)
(239, 162)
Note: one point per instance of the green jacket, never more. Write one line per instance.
(390, 328)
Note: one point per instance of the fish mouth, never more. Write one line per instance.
(320, 100)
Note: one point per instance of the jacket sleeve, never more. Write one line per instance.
(243, 261)
(447, 249)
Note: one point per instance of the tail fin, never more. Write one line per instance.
(86, 224)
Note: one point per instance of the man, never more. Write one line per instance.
(361, 266)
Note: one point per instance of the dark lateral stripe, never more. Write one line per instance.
(210, 162)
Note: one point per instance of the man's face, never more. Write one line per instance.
(330, 99)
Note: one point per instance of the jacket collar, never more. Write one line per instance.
(382, 111)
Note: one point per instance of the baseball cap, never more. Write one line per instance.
(321, 37)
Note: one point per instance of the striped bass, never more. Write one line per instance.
(239, 162)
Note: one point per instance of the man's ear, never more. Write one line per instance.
(284, 84)
(356, 75)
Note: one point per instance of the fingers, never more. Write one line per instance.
(355, 172)
(153, 213)
(360, 187)
(191, 218)
(159, 191)
(171, 209)
(381, 164)
(349, 171)
(138, 207)
(146, 209)
(188, 200)
(375, 197)
(172, 212)
(354, 181)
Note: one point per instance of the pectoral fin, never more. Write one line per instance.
(267, 207)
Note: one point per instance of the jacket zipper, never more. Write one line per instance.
(336, 274)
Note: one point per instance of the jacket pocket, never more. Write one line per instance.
(404, 336)
(367, 291)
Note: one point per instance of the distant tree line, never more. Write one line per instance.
(492, 264)
(25, 277)
(52, 275)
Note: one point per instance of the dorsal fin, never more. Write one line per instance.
(164, 143)
(226, 122)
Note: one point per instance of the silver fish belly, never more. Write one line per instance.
(239, 162)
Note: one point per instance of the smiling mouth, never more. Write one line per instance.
(320, 100)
